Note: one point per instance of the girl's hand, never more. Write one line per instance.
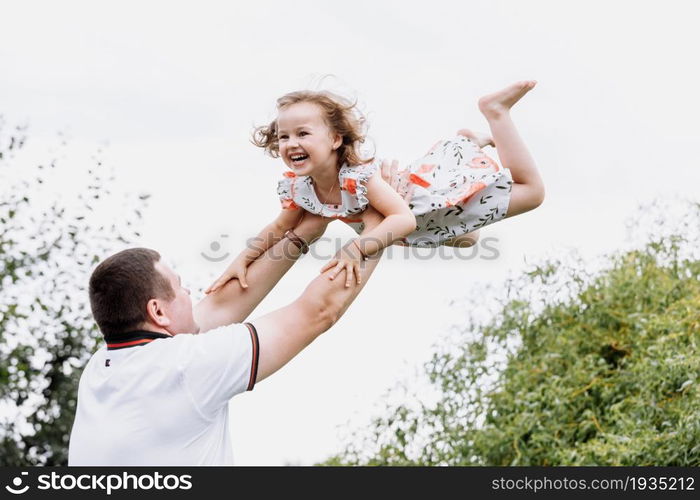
(350, 259)
(237, 269)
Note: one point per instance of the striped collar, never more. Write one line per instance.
(132, 339)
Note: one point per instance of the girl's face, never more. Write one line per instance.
(307, 145)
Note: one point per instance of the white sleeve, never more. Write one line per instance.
(219, 364)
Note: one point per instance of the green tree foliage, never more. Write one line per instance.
(48, 245)
(576, 368)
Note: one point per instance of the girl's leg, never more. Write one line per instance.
(528, 189)
(464, 241)
(479, 138)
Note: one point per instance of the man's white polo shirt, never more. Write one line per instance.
(163, 401)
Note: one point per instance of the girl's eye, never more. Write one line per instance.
(303, 133)
(281, 137)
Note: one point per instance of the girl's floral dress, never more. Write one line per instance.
(457, 189)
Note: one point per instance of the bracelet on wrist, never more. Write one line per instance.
(362, 254)
(298, 242)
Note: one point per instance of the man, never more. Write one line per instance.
(157, 394)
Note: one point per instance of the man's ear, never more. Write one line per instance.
(156, 314)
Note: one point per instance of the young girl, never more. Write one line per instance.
(456, 189)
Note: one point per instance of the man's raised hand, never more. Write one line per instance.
(397, 179)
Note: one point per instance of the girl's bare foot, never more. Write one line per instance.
(479, 138)
(499, 103)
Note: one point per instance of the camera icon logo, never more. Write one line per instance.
(17, 482)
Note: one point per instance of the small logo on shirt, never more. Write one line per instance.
(107, 362)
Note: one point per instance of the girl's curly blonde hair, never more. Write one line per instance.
(341, 116)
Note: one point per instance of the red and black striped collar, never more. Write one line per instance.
(133, 339)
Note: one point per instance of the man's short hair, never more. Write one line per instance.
(122, 285)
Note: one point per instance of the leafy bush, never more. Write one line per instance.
(48, 244)
(577, 368)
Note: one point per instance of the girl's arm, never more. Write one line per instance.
(398, 222)
(268, 236)
(233, 304)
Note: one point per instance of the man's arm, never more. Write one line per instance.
(232, 303)
(282, 334)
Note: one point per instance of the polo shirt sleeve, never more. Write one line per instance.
(219, 364)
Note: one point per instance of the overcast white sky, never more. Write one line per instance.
(173, 88)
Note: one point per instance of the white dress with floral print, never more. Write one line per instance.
(457, 189)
